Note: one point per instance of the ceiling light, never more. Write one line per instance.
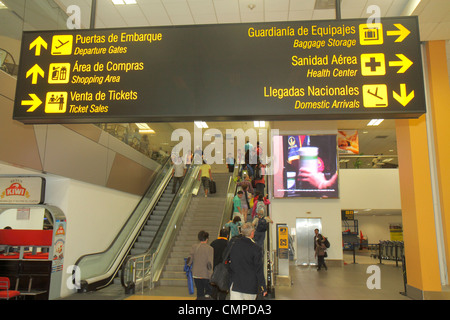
(2, 5)
(144, 128)
(201, 124)
(259, 124)
(120, 2)
(410, 7)
(374, 122)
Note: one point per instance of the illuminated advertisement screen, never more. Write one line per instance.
(307, 166)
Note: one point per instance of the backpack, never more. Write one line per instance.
(262, 225)
(326, 243)
(260, 207)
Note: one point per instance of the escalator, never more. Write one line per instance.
(151, 226)
(98, 270)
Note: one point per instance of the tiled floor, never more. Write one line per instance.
(342, 283)
(337, 283)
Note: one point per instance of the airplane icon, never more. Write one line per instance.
(375, 96)
(62, 45)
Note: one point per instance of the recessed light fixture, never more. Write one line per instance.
(201, 124)
(259, 124)
(121, 2)
(374, 122)
(144, 128)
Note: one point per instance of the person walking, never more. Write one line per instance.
(237, 204)
(205, 175)
(317, 236)
(247, 274)
(219, 245)
(320, 254)
(234, 226)
(230, 162)
(261, 224)
(179, 171)
(201, 258)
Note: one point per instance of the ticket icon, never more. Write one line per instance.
(56, 102)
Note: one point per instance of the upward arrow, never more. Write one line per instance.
(38, 43)
(401, 32)
(35, 71)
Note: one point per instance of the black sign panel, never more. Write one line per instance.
(346, 69)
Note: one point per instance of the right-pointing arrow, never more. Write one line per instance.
(401, 32)
(34, 102)
(404, 63)
(403, 98)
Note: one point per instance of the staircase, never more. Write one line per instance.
(202, 214)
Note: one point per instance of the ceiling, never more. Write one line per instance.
(434, 24)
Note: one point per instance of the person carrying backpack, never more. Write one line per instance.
(261, 224)
(259, 204)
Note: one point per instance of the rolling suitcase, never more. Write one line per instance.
(212, 186)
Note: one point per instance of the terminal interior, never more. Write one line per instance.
(101, 178)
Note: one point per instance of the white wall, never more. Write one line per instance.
(359, 189)
(94, 217)
(94, 214)
(376, 228)
(35, 221)
(369, 188)
(288, 210)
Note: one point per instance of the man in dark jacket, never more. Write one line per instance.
(247, 274)
(219, 245)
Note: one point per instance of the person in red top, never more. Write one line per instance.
(260, 183)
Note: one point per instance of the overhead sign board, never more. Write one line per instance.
(343, 69)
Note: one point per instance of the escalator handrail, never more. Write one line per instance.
(171, 230)
(165, 169)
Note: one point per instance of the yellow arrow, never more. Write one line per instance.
(403, 98)
(404, 63)
(35, 71)
(38, 43)
(402, 32)
(34, 102)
